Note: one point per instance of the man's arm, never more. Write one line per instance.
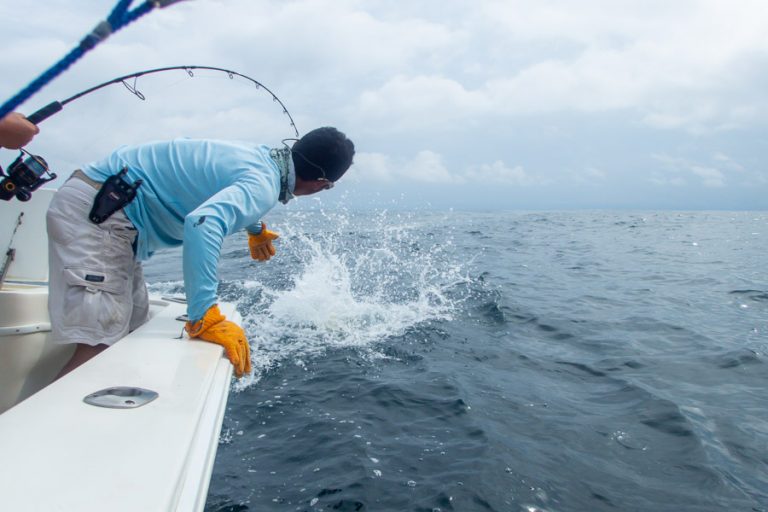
(228, 211)
(16, 131)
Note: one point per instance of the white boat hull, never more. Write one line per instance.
(59, 453)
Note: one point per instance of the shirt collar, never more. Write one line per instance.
(284, 161)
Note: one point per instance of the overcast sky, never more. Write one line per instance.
(515, 104)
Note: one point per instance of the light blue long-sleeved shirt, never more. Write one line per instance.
(194, 192)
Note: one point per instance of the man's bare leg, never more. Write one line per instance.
(82, 354)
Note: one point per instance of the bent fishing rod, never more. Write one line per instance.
(117, 19)
(56, 106)
(29, 172)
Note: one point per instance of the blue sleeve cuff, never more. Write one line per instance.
(254, 229)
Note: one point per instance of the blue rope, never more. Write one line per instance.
(118, 12)
(119, 18)
(137, 13)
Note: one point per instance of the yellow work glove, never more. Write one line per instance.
(214, 327)
(261, 244)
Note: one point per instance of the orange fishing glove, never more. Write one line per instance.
(214, 327)
(261, 244)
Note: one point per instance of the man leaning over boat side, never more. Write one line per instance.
(189, 192)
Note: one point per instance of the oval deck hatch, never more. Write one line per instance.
(121, 397)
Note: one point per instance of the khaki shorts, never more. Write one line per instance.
(97, 293)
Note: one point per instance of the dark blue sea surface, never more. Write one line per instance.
(435, 361)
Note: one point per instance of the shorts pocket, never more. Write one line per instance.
(68, 211)
(61, 225)
(96, 302)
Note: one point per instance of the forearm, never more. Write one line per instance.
(202, 248)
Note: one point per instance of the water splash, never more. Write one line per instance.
(353, 286)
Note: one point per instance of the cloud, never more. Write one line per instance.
(727, 162)
(666, 181)
(422, 100)
(594, 173)
(493, 89)
(428, 167)
(597, 58)
(372, 167)
(498, 172)
(708, 175)
(425, 167)
(691, 65)
(587, 174)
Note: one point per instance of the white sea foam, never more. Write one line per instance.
(354, 287)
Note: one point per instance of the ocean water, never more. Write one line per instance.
(435, 361)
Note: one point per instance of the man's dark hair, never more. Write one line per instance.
(323, 152)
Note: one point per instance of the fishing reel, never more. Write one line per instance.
(25, 175)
